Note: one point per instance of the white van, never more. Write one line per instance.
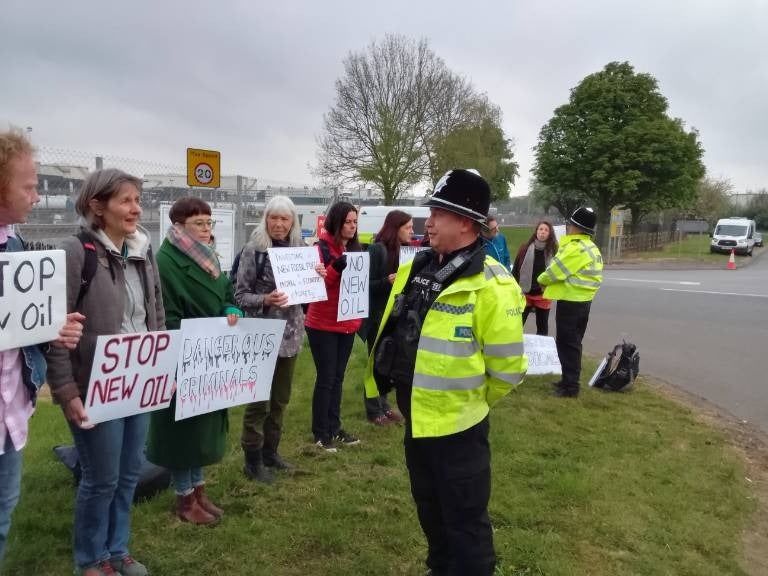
(370, 219)
(734, 234)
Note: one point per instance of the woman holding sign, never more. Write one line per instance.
(329, 339)
(193, 287)
(396, 232)
(532, 259)
(257, 294)
(121, 297)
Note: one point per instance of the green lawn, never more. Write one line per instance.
(693, 247)
(516, 235)
(607, 484)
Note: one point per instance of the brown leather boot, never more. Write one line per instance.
(188, 510)
(206, 504)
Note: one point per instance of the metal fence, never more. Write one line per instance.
(61, 173)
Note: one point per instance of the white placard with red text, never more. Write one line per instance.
(131, 374)
(221, 366)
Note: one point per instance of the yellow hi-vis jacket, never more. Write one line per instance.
(575, 272)
(470, 352)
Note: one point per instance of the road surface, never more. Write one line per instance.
(705, 331)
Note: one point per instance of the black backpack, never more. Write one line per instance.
(152, 478)
(621, 367)
(261, 261)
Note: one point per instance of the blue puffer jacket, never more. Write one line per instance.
(33, 368)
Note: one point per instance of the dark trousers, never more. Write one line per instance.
(378, 406)
(542, 319)
(451, 485)
(571, 321)
(263, 421)
(330, 351)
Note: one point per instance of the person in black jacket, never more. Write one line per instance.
(396, 231)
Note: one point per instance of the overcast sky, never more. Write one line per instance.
(147, 79)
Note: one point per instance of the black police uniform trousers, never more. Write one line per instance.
(451, 485)
(571, 321)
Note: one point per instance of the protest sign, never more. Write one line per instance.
(353, 293)
(33, 297)
(542, 355)
(131, 374)
(221, 366)
(408, 253)
(560, 231)
(294, 270)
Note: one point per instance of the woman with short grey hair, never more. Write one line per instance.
(122, 297)
(257, 295)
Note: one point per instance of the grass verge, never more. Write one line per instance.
(606, 484)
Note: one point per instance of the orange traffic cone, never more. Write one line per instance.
(732, 261)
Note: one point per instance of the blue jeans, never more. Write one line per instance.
(111, 455)
(185, 480)
(330, 351)
(10, 485)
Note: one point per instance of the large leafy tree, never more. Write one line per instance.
(399, 112)
(613, 144)
(483, 147)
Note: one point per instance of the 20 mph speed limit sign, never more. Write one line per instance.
(203, 168)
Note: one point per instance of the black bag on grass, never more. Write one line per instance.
(153, 479)
(622, 365)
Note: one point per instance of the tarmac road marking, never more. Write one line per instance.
(715, 293)
(678, 282)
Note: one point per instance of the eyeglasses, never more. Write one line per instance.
(203, 224)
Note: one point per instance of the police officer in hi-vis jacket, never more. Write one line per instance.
(451, 345)
(573, 278)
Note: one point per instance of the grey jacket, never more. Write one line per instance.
(249, 296)
(103, 306)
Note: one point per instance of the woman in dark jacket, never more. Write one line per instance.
(330, 340)
(123, 297)
(396, 231)
(532, 259)
(193, 287)
(258, 296)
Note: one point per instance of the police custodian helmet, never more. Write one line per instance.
(463, 192)
(584, 218)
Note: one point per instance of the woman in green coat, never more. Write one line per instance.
(193, 287)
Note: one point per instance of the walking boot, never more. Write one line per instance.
(567, 391)
(205, 503)
(273, 460)
(255, 469)
(188, 510)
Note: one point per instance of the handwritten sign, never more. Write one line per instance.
(408, 253)
(294, 270)
(131, 374)
(33, 297)
(220, 366)
(353, 293)
(542, 355)
(560, 231)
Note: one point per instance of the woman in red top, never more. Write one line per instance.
(329, 340)
(532, 259)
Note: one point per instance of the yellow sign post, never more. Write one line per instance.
(203, 168)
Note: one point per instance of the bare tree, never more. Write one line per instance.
(394, 104)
